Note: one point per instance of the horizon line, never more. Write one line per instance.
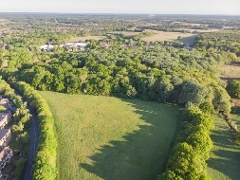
(117, 13)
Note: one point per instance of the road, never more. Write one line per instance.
(34, 138)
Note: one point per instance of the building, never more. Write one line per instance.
(74, 46)
(47, 47)
(5, 156)
(5, 118)
(4, 102)
(5, 137)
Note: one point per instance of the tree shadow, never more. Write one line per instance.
(143, 153)
(224, 138)
(227, 163)
(188, 40)
(225, 156)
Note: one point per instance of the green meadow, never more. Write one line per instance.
(111, 138)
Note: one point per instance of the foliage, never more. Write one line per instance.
(21, 117)
(187, 159)
(233, 88)
(45, 160)
(2, 108)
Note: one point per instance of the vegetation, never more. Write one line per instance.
(20, 134)
(187, 160)
(45, 161)
(111, 138)
(224, 157)
(233, 88)
(2, 108)
(128, 67)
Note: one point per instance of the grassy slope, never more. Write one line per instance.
(110, 138)
(224, 159)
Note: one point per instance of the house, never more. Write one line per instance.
(5, 137)
(5, 118)
(5, 156)
(47, 47)
(74, 46)
(4, 102)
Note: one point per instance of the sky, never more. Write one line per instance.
(229, 7)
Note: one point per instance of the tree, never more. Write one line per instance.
(233, 88)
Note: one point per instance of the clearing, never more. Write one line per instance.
(230, 71)
(111, 138)
(186, 38)
(224, 161)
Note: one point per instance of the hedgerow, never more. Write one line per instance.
(44, 167)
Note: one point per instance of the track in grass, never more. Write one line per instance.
(111, 138)
(224, 159)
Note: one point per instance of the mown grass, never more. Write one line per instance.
(224, 159)
(111, 138)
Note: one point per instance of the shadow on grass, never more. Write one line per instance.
(224, 139)
(227, 163)
(188, 40)
(226, 156)
(143, 153)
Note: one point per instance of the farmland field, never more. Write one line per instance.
(187, 38)
(111, 138)
(224, 158)
(82, 39)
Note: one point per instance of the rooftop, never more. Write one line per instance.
(3, 132)
(5, 152)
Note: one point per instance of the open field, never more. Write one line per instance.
(230, 71)
(200, 30)
(224, 158)
(82, 39)
(111, 138)
(126, 33)
(187, 38)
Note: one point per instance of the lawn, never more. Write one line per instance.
(111, 138)
(224, 159)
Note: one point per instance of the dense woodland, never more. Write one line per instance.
(129, 67)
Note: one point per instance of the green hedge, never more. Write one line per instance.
(46, 157)
(187, 160)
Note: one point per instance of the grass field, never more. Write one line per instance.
(187, 38)
(224, 159)
(126, 33)
(111, 138)
(230, 71)
(82, 39)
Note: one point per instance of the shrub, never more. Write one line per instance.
(233, 88)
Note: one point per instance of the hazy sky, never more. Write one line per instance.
(124, 6)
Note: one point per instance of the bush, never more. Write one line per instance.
(233, 88)
(187, 159)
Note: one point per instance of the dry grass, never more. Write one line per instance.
(200, 30)
(187, 38)
(230, 71)
(111, 138)
(82, 39)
